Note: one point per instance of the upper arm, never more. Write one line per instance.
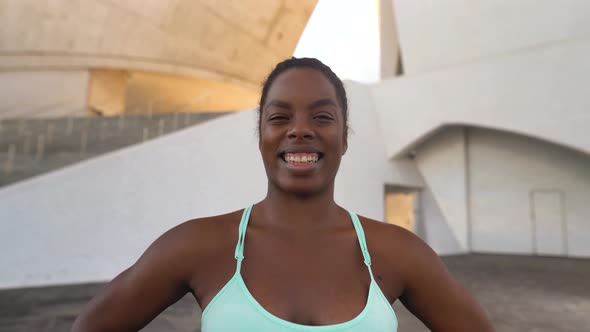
(435, 297)
(137, 295)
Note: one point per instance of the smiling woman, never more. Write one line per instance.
(295, 261)
(303, 117)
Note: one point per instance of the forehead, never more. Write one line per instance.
(301, 85)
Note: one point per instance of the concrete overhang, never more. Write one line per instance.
(233, 44)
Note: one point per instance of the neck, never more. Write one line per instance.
(302, 212)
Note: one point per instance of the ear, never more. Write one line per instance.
(345, 142)
(259, 132)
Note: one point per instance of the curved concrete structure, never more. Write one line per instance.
(229, 41)
(232, 44)
(538, 93)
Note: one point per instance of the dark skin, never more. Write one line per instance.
(314, 274)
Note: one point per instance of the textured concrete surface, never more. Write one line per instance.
(194, 55)
(520, 293)
(226, 40)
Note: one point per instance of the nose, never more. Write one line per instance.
(300, 128)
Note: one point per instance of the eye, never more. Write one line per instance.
(324, 116)
(278, 117)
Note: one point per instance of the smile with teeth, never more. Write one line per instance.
(301, 158)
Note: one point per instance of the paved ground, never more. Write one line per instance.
(537, 294)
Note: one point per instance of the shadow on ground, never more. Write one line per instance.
(520, 293)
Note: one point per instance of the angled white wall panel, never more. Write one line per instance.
(442, 164)
(89, 221)
(541, 93)
(436, 34)
(435, 230)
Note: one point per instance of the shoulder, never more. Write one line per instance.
(204, 228)
(417, 276)
(185, 245)
(398, 248)
(388, 236)
(202, 233)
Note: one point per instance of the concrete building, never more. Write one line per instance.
(102, 57)
(476, 138)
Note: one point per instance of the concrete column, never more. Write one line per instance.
(107, 92)
(390, 51)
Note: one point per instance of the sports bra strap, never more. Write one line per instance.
(361, 237)
(242, 233)
(360, 233)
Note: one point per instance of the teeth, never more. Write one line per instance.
(301, 157)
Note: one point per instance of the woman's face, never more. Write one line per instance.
(302, 132)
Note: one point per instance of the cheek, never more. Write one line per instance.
(338, 140)
(267, 147)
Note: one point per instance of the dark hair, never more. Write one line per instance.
(306, 63)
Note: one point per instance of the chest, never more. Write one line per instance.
(248, 315)
(315, 280)
(311, 284)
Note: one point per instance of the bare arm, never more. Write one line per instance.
(137, 295)
(433, 296)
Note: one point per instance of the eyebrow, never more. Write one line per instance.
(323, 102)
(278, 103)
(315, 104)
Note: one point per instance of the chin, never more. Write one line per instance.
(302, 187)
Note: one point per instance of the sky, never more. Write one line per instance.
(344, 34)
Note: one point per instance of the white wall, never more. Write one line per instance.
(436, 34)
(504, 169)
(43, 93)
(517, 66)
(90, 221)
(365, 169)
(441, 161)
(434, 228)
(541, 93)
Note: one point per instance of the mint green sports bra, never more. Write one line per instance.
(235, 309)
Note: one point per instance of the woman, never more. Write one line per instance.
(306, 263)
